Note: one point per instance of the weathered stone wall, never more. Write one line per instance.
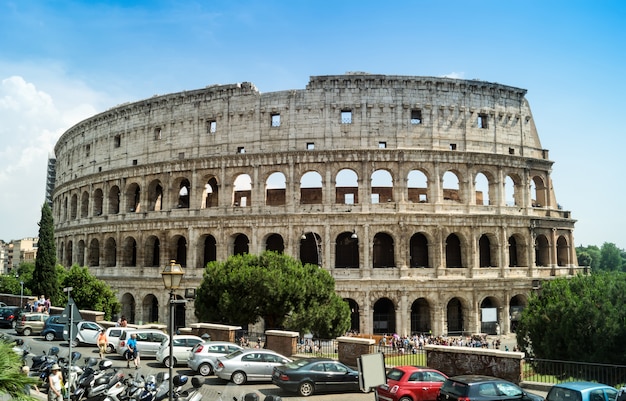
(477, 361)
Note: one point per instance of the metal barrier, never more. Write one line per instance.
(553, 371)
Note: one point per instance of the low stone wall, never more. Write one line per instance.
(283, 342)
(350, 348)
(481, 361)
(216, 332)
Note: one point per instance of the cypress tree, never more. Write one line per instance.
(45, 280)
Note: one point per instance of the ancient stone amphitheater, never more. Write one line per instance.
(429, 200)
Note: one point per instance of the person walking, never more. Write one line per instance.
(133, 351)
(103, 343)
(55, 384)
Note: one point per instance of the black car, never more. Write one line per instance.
(315, 375)
(482, 388)
(9, 315)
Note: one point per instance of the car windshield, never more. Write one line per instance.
(234, 354)
(454, 388)
(298, 363)
(395, 374)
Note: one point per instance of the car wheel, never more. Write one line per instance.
(167, 360)
(110, 349)
(49, 336)
(405, 398)
(239, 378)
(27, 331)
(205, 369)
(13, 324)
(75, 343)
(306, 389)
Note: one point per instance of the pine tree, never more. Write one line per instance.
(45, 280)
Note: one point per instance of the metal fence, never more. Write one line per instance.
(553, 371)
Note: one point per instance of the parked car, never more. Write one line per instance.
(581, 391)
(113, 336)
(182, 345)
(148, 341)
(249, 365)
(31, 323)
(87, 331)
(203, 357)
(9, 316)
(482, 388)
(315, 375)
(411, 383)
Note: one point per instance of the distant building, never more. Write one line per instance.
(429, 200)
(21, 251)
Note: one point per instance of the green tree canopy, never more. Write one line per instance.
(89, 292)
(45, 280)
(582, 318)
(610, 257)
(12, 380)
(274, 287)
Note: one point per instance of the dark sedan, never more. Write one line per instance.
(315, 375)
(9, 315)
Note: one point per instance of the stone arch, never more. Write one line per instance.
(513, 190)
(347, 251)
(241, 244)
(517, 251)
(110, 252)
(311, 248)
(209, 250)
(347, 187)
(133, 198)
(242, 191)
(384, 316)
(383, 251)
(155, 196)
(65, 209)
(451, 187)
(114, 200)
(183, 193)
(420, 316)
(275, 242)
(150, 309)
(80, 258)
(179, 250)
(484, 188)
(490, 315)
(381, 187)
(275, 189)
(98, 199)
(129, 252)
(455, 317)
(128, 307)
(417, 186)
(454, 252)
(210, 193)
(93, 254)
(311, 188)
(516, 307)
(542, 251)
(487, 250)
(74, 207)
(84, 205)
(152, 254)
(69, 253)
(355, 319)
(538, 192)
(418, 249)
(562, 251)
(61, 251)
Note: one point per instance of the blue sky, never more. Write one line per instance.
(63, 61)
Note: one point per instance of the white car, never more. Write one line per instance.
(183, 344)
(148, 341)
(113, 336)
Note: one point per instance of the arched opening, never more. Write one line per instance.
(241, 245)
(210, 194)
(209, 250)
(150, 309)
(420, 317)
(153, 251)
(114, 200)
(454, 315)
(382, 187)
(482, 189)
(110, 252)
(184, 193)
(80, 258)
(84, 205)
(68, 254)
(155, 196)
(275, 243)
(384, 317)
(74, 207)
(484, 247)
(181, 251)
(489, 319)
(242, 191)
(133, 196)
(128, 308)
(516, 306)
(311, 249)
(93, 255)
(98, 198)
(346, 187)
(417, 184)
(383, 251)
(129, 252)
(355, 325)
(451, 189)
(347, 251)
(419, 250)
(275, 189)
(311, 188)
(453, 252)
(542, 251)
(562, 251)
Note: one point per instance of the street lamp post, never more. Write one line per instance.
(21, 294)
(172, 276)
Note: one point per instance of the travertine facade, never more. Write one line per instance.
(428, 199)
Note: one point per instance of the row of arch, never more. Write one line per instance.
(424, 251)
(483, 190)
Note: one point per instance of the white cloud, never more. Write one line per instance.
(455, 75)
(31, 121)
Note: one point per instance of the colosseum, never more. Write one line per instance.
(429, 200)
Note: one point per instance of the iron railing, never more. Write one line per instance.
(554, 371)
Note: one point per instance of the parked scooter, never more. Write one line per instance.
(93, 382)
(46, 359)
(185, 395)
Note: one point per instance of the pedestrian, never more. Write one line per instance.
(133, 352)
(26, 372)
(123, 322)
(103, 343)
(55, 384)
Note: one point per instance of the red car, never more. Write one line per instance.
(411, 383)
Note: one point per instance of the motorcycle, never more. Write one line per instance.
(94, 382)
(46, 359)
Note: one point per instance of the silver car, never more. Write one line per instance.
(249, 365)
(203, 357)
(148, 341)
(182, 345)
